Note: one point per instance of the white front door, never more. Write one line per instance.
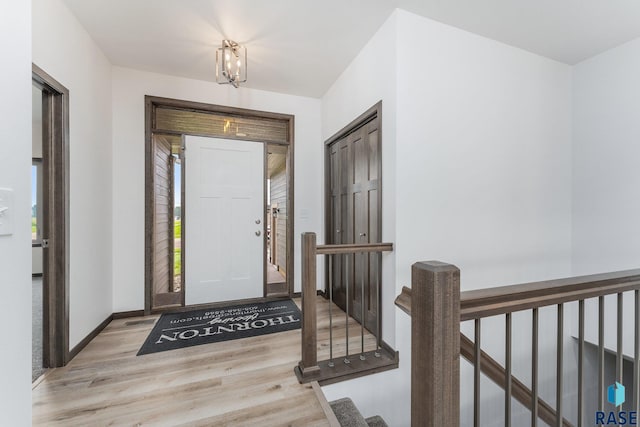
(224, 215)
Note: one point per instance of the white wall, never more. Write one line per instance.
(369, 78)
(606, 115)
(483, 172)
(484, 131)
(15, 173)
(484, 169)
(484, 157)
(606, 177)
(63, 49)
(129, 89)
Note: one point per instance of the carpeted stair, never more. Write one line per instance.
(349, 416)
(376, 421)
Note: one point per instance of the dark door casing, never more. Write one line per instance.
(353, 187)
(55, 218)
(172, 119)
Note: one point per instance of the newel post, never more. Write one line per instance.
(308, 366)
(435, 345)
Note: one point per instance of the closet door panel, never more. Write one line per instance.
(354, 168)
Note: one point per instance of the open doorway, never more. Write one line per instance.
(276, 272)
(49, 223)
(171, 233)
(37, 320)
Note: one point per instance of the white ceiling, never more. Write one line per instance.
(301, 46)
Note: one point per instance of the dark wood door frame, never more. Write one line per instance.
(55, 151)
(373, 113)
(153, 102)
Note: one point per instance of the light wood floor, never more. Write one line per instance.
(245, 382)
(340, 333)
(273, 275)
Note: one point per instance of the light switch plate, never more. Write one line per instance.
(6, 212)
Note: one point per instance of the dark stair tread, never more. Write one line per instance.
(347, 413)
(376, 421)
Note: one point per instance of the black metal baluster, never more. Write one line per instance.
(362, 319)
(507, 375)
(346, 357)
(476, 376)
(331, 364)
(580, 362)
(619, 362)
(636, 354)
(601, 353)
(378, 314)
(534, 368)
(559, 362)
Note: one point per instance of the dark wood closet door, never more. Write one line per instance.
(339, 155)
(354, 218)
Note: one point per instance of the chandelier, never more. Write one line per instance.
(231, 63)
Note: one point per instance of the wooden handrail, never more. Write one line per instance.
(353, 248)
(491, 368)
(435, 305)
(403, 301)
(508, 299)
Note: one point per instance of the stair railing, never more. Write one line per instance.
(352, 363)
(437, 307)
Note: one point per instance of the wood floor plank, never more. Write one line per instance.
(244, 382)
(297, 411)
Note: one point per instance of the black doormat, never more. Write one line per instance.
(179, 330)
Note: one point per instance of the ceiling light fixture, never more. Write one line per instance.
(231, 63)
